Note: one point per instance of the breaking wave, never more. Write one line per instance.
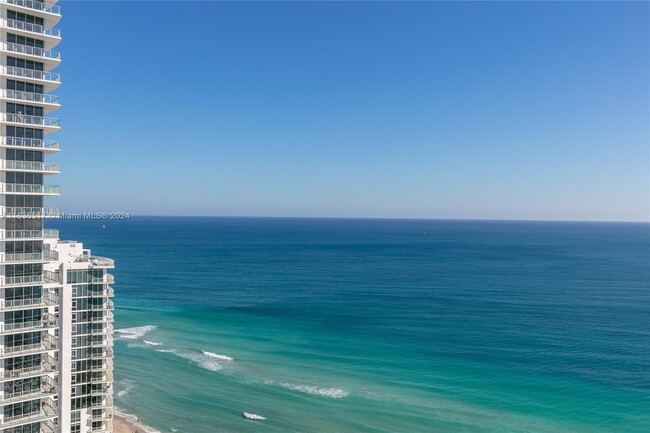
(135, 332)
(152, 343)
(203, 361)
(217, 356)
(317, 390)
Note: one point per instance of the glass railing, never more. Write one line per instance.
(21, 257)
(32, 120)
(32, 51)
(30, 142)
(31, 165)
(38, 5)
(18, 188)
(31, 27)
(50, 277)
(50, 255)
(102, 261)
(31, 73)
(21, 234)
(30, 279)
(50, 233)
(44, 98)
(45, 413)
(31, 212)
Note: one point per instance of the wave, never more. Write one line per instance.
(317, 390)
(253, 416)
(132, 419)
(135, 332)
(166, 350)
(152, 343)
(203, 361)
(128, 386)
(217, 356)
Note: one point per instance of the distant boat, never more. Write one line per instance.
(253, 416)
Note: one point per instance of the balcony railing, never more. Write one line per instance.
(46, 388)
(100, 261)
(38, 143)
(32, 120)
(31, 73)
(46, 299)
(51, 233)
(21, 234)
(48, 277)
(38, 5)
(45, 413)
(31, 27)
(44, 98)
(31, 165)
(47, 343)
(48, 321)
(31, 212)
(32, 51)
(47, 365)
(21, 257)
(28, 188)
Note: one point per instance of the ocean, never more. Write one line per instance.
(382, 326)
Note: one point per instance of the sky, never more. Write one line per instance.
(487, 110)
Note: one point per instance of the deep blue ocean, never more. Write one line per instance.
(400, 326)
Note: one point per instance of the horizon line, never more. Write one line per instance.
(367, 218)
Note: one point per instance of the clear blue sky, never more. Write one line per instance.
(428, 110)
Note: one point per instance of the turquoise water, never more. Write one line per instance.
(340, 326)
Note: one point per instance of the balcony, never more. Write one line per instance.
(32, 28)
(108, 317)
(107, 354)
(35, 166)
(52, 123)
(27, 50)
(46, 366)
(28, 188)
(48, 343)
(97, 261)
(51, 80)
(21, 257)
(30, 143)
(47, 412)
(105, 426)
(51, 101)
(9, 235)
(103, 414)
(29, 212)
(106, 365)
(48, 321)
(46, 389)
(47, 299)
(36, 5)
(48, 277)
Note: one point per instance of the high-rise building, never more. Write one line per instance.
(56, 332)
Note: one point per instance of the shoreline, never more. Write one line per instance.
(124, 422)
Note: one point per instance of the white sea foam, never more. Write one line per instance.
(217, 356)
(135, 332)
(166, 350)
(317, 390)
(253, 416)
(151, 343)
(127, 386)
(203, 361)
(133, 420)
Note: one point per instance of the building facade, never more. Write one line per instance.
(56, 331)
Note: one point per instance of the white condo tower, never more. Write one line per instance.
(56, 331)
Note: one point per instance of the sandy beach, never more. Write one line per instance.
(127, 423)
